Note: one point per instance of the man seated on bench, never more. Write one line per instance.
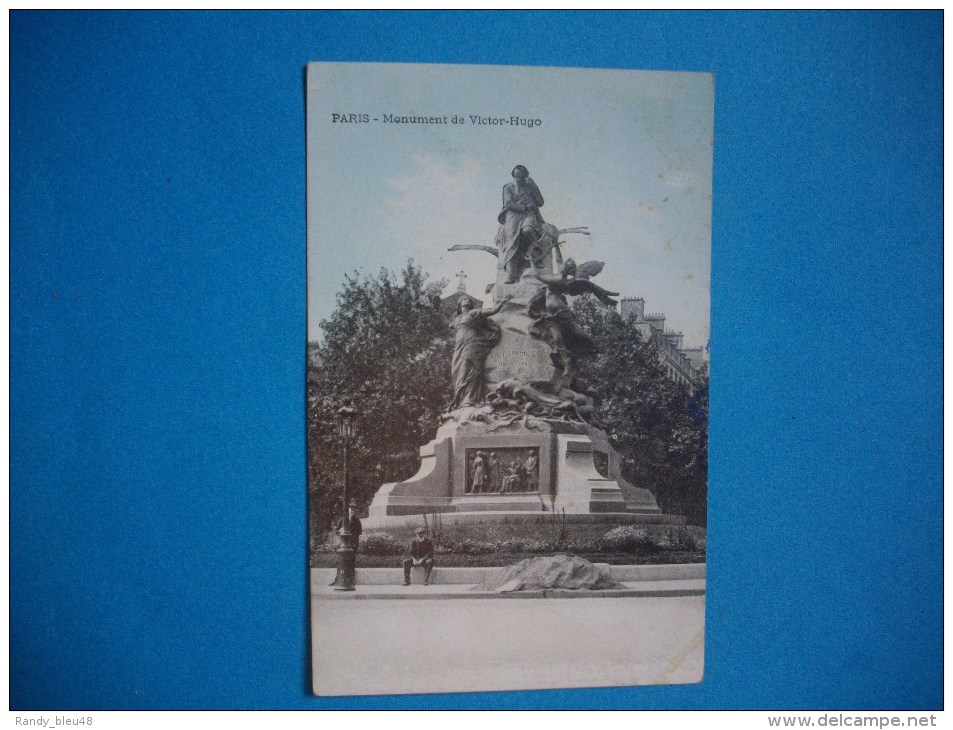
(420, 553)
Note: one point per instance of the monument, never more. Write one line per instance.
(517, 443)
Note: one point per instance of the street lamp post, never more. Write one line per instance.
(347, 428)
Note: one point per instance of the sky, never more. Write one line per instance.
(627, 154)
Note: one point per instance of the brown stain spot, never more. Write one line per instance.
(665, 199)
(688, 277)
(668, 245)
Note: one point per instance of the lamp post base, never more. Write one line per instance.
(346, 563)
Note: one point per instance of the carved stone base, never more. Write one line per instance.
(583, 490)
(551, 469)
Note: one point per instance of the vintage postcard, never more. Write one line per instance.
(508, 324)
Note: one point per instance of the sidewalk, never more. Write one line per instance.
(657, 588)
(447, 583)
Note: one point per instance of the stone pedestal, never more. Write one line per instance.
(565, 479)
(583, 490)
(537, 457)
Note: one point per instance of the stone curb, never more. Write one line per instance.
(647, 589)
(457, 576)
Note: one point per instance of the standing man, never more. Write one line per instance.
(354, 523)
(420, 553)
(355, 528)
(521, 225)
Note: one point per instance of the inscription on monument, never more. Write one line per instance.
(516, 354)
(502, 471)
(521, 357)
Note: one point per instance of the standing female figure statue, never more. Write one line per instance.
(478, 483)
(475, 334)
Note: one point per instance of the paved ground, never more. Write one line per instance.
(417, 591)
(431, 644)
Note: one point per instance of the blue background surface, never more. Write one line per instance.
(157, 265)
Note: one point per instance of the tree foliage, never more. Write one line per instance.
(659, 427)
(386, 350)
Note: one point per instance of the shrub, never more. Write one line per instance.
(465, 547)
(380, 543)
(323, 542)
(682, 538)
(533, 545)
(627, 539)
(633, 539)
(695, 537)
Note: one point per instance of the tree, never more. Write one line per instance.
(385, 349)
(659, 427)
